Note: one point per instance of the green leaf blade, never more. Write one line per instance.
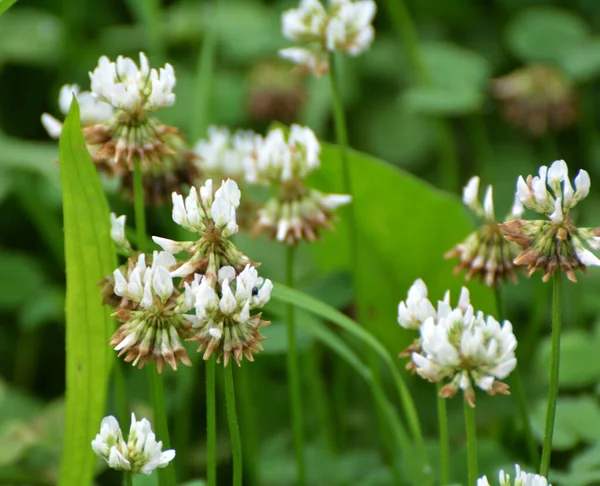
(89, 255)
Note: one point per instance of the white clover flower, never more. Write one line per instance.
(467, 349)
(555, 243)
(345, 27)
(91, 110)
(417, 308)
(485, 253)
(117, 231)
(140, 454)
(223, 318)
(522, 478)
(225, 154)
(130, 88)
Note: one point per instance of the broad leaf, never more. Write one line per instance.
(403, 228)
(545, 33)
(90, 255)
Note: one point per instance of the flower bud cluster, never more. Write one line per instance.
(142, 453)
(346, 26)
(555, 243)
(485, 252)
(223, 318)
(457, 344)
(522, 478)
(151, 313)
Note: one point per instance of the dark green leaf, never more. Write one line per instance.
(90, 256)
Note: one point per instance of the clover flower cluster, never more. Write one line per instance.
(151, 313)
(346, 26)
(554, 243)
(117, 127)
(226, 155)
(485, 252)
(537, 97)
(458, 344)
(522, 478)
(141, 453)
(296, 212)
(223, 320)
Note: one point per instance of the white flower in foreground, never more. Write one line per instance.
(128, 87)
(151, 314)
(555, 243)
(485, 253)
(345, 27)
(223, 318)
(140, 454)
(467, 349)
(522, 478)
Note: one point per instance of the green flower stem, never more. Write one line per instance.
(211, 424)
(120, 389)
(139, 209)
(448, 169)
(127, 478)
(471, 443)
(234, 430)
(293, 372)
(519, 392)
(554, 369)
(250, 423)
(444, 441)
(166, 476)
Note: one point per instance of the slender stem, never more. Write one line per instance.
(138, 201)
(250, 424)
(166, 476)
(293, 372)
(234, 430)
(120, 389)
(127, 478)
(554, 369)
(444, 441)
(471, 443)
(211, 425)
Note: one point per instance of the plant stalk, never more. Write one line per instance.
(127, 478)
(554, 370)
(138, 206)
(211, 424)
(471, 443)
(293, 372)
(444, 439)
(234, 430)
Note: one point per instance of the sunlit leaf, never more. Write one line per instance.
(582, 61)
(90, 256)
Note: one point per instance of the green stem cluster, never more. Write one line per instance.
(554, 369)
(234, 430)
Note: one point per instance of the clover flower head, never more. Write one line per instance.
(125, 86)
(151, 314)
(346, 26)
(553, 243)
(223, 320)
(467, 349)
(91, 109)
(485, 253)
(142, 453)
(224, 154)
(522, 478)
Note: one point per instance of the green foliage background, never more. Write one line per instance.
(405, 222)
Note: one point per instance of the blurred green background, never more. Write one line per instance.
(464, 44)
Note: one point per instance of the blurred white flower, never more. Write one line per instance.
(522, 478)
(142, 453)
